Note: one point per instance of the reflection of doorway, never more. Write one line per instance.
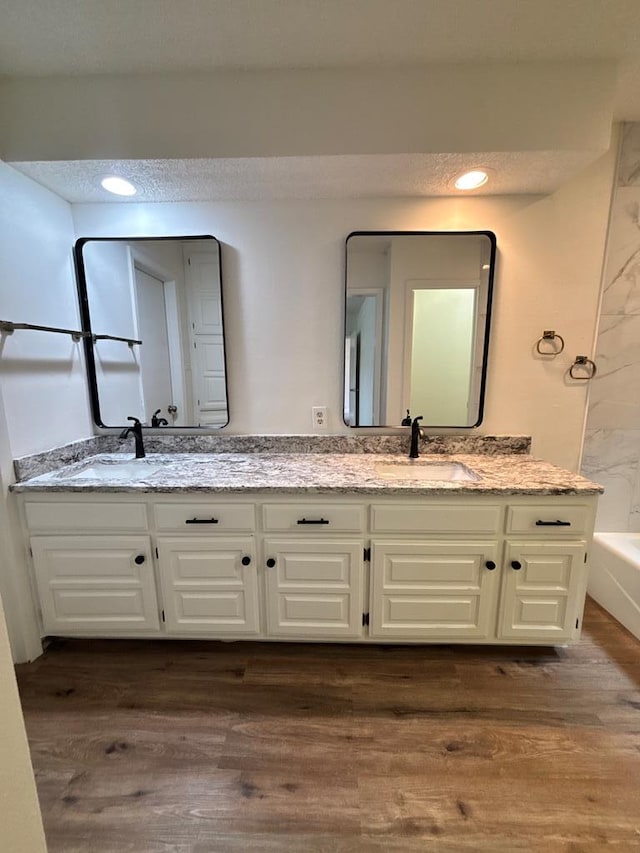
(351, 371)
(155, 360)
(364, 323)
(440, 350)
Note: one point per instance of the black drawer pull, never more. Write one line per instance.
(557, 523)
(246, 561)
(313, 521)
(139, 560)
(201, 521)
(271, 562)
(516, 564)
(490, 565)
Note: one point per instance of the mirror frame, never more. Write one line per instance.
(85, 319)
(487, 325)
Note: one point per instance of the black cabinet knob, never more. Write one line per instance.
(246, 561)
(490, 565)
(139, 560)
(516, 564)
(271, 562)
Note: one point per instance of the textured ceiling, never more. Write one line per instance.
(306, 177)
(45, 37)
(87, 37)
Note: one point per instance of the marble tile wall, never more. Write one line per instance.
(612, 439)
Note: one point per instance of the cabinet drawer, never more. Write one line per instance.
(86, 516)
(548, 520)
(314, 518)
(205, 517)
(438, 519)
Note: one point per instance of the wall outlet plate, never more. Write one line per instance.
(319, 417)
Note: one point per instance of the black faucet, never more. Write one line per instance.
(158, 422)
(136, 429)
(415, 438)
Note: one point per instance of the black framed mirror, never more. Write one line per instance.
(152, 314)
(417, 322)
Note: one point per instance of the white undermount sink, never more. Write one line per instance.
(422, 471)
(115, 469)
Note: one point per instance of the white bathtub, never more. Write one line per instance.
(614, 576)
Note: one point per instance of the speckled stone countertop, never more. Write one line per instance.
(309, 473)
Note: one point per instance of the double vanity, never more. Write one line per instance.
(488, 546)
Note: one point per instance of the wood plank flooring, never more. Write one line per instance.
(191, 747)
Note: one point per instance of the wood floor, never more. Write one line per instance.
(192, 746)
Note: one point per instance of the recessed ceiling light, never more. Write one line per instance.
(471, 180)
(118, 186)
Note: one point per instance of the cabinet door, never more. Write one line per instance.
(208, 586)
(101, 585)
(543, 590)
(433, 590)
(314, 587)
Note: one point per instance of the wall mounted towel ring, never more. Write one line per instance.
(550, 335)
(583, 361)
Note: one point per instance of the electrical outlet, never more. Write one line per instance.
(319, 417)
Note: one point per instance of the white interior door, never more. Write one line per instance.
(209, 381)
(155, 362)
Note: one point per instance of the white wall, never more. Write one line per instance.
(433, 108)
(42, 375)
(19, 809)
(283, 275)
(43, 393)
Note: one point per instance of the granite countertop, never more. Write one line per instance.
(309, 473)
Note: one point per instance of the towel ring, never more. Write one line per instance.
(583, 361)
(550, 335)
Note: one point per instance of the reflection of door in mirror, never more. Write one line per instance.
(440, 331)
(351, 390)
(363, 368)
(167, 294)
(155, 358)
(420, 305)
(205, 309)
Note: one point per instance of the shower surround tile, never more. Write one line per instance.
(612, 438)
(629, 165)
(612, 458)
(634, 514)
(615, 392)
(621, 290)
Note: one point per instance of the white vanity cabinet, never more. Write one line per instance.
(93, 577)
(479, 583)
(314, 587)
(314, 569)
(544, 582)
(209, 585)
(207, 568)
(441, 582)
(541, 590)
(433, 590)
(477, 568)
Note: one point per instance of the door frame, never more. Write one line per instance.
(139, 259)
